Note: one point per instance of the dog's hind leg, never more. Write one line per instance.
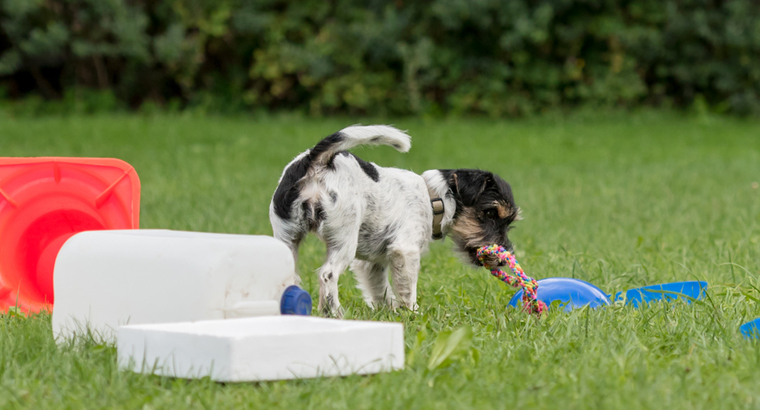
(293, 242)
(290, 234)
(372, 280)
(405, 265)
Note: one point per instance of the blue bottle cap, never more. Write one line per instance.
(571, 293)
(295, 301)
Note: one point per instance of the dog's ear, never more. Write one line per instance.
(467, 185)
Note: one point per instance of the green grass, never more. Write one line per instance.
(620, 201)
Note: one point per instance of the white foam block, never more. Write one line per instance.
(262, 348)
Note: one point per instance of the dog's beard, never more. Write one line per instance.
(469, 235)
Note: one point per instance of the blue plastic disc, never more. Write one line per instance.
(295, 301)
(572, 293)
(693, 290)
(751, 330)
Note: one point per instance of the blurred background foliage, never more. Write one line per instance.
(371, 57)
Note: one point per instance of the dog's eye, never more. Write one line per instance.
(491, 213)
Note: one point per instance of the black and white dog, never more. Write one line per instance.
(375, 219)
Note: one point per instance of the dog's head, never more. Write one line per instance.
(485, 210)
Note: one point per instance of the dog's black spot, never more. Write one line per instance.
(331, 161)
(333, 196)
(369, 169)
(287, 191)
(325, 145)
(329, 276)
(375, 140)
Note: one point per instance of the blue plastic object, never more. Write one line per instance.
(668, 291)
(572, 293)
(751, 330)
(295, 301)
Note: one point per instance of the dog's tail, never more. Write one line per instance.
(356, 135)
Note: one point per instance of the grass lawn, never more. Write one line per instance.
(618, 200)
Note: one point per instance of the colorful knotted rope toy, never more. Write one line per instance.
(529, 285)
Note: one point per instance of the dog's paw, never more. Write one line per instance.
(414, 308)
(338, 313)
(334, 313)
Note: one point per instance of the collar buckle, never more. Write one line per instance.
(438, 210)
(437, 205)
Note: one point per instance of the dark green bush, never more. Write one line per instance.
(498, 57)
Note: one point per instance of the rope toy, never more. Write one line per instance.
(530, 299)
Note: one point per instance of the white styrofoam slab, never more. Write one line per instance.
(262, 348)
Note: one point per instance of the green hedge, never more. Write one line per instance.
(497, 57)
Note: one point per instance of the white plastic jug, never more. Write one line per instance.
(104, 279)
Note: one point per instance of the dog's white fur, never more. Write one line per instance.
(440, 189)
(373, 226)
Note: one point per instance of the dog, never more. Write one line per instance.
(377, 219)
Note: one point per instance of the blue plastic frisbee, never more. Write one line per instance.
(751, 330)
(572, 293)
(693, 290)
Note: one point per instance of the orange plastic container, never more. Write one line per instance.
(45, 201)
